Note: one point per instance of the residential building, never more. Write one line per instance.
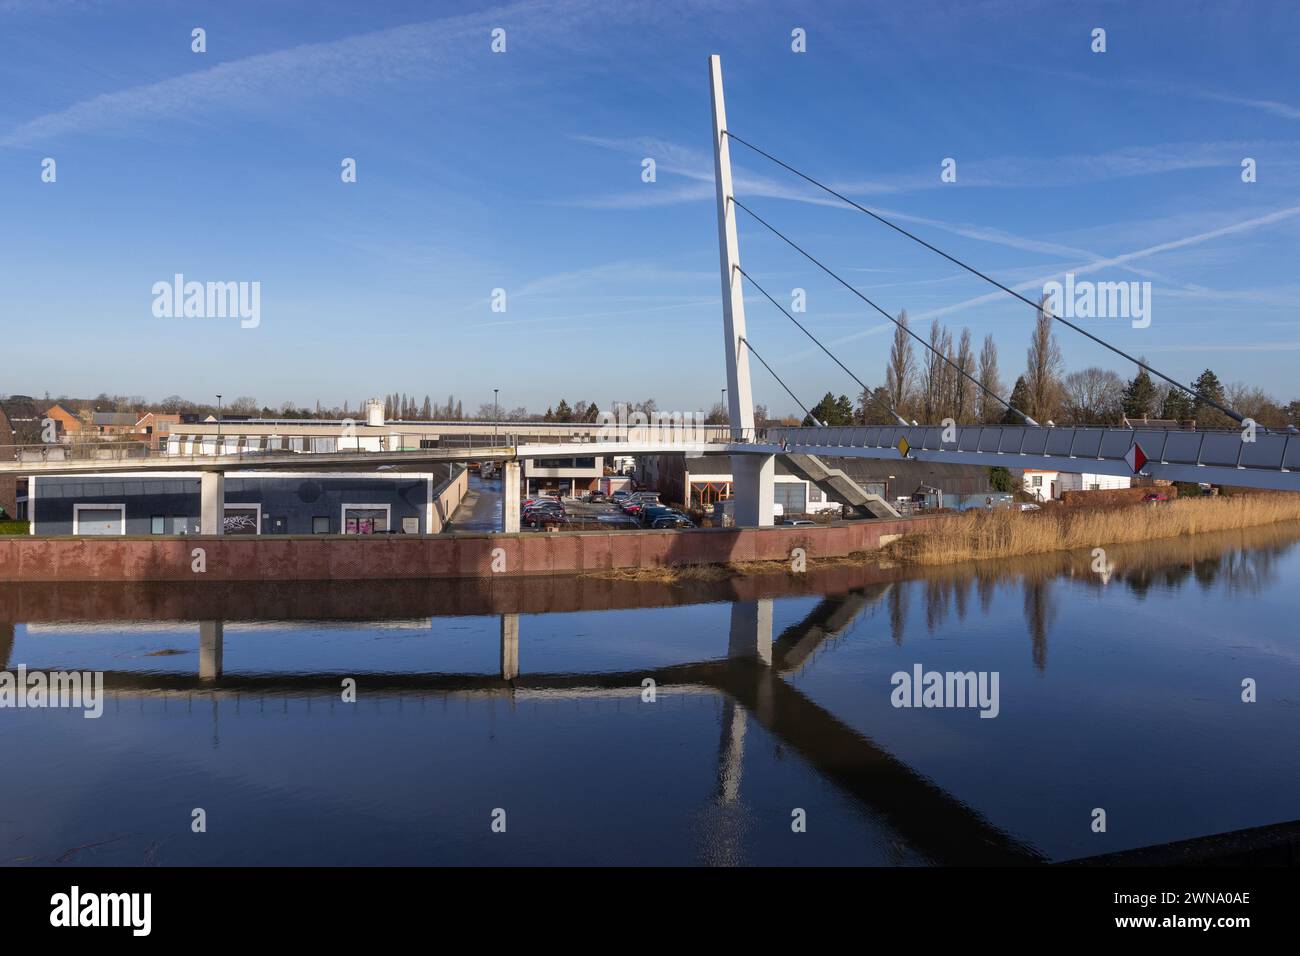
(155, 428)
(67, 421)
(1047, 485)
(107, 424)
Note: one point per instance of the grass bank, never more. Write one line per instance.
(1004, 534)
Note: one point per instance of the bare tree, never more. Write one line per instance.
(932, 379)
(901, 371)
(963, 406)
(1043, 371)
(947, 376)
(990, 410)
(1093, 396)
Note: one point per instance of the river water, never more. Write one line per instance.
(746, 721)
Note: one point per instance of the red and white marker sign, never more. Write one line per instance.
(1135, 457)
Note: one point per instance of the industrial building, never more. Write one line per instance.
(256, 502)
(806, 485)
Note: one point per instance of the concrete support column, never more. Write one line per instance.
(510, 497)
(212, 502)
(509, 646)
(752, 479)
(212, 641)
(751, 630)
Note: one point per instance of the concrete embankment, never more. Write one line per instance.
(387, 557)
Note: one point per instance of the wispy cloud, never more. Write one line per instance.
(1245, 225)
(397, 54)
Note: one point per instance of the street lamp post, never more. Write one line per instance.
(218, 423)
(496, 415)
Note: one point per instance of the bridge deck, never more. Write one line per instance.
(1271, 460)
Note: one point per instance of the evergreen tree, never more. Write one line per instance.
(1177, 405)
(832, 411)
(1140, 396)
(1019, 399)
(1208, 386)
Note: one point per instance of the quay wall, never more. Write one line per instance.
(389, 557)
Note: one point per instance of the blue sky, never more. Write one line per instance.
(522, 171)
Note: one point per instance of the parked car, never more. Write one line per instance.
(620, 496)
(594, 498)
(798, 522)
(1155, 496)
(1030, 506)
(542, 516)
(672, 521)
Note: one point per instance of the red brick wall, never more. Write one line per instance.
(319, 557)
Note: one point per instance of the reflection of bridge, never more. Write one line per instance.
(752, 677)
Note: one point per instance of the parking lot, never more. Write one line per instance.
(601, 514)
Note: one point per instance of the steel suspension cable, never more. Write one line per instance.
(781, 383)
(817, 262)
(989, 279)
(867, 392)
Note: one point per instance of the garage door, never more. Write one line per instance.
(99, 520)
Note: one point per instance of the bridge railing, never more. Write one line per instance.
(78, 451)
(1230, 448)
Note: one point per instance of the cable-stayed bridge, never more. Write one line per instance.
(1252, 457)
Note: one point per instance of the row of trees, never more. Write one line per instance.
(951, 380)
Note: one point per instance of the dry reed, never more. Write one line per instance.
(1002, 534)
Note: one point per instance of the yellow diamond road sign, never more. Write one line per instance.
(903, 447)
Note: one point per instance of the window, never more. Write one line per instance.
(540, 463)
(180, 524)
(814, 493)
(365, 519)
(1035, 481)
(243, 519)
(158, 524)
(791, 496)
(320, 524)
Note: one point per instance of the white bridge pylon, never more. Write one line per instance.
(752, 475)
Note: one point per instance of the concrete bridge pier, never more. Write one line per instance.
(752, 489)
(509, 646)
(212, 640)
(751, 631)
(510, 480)
(212, 502)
